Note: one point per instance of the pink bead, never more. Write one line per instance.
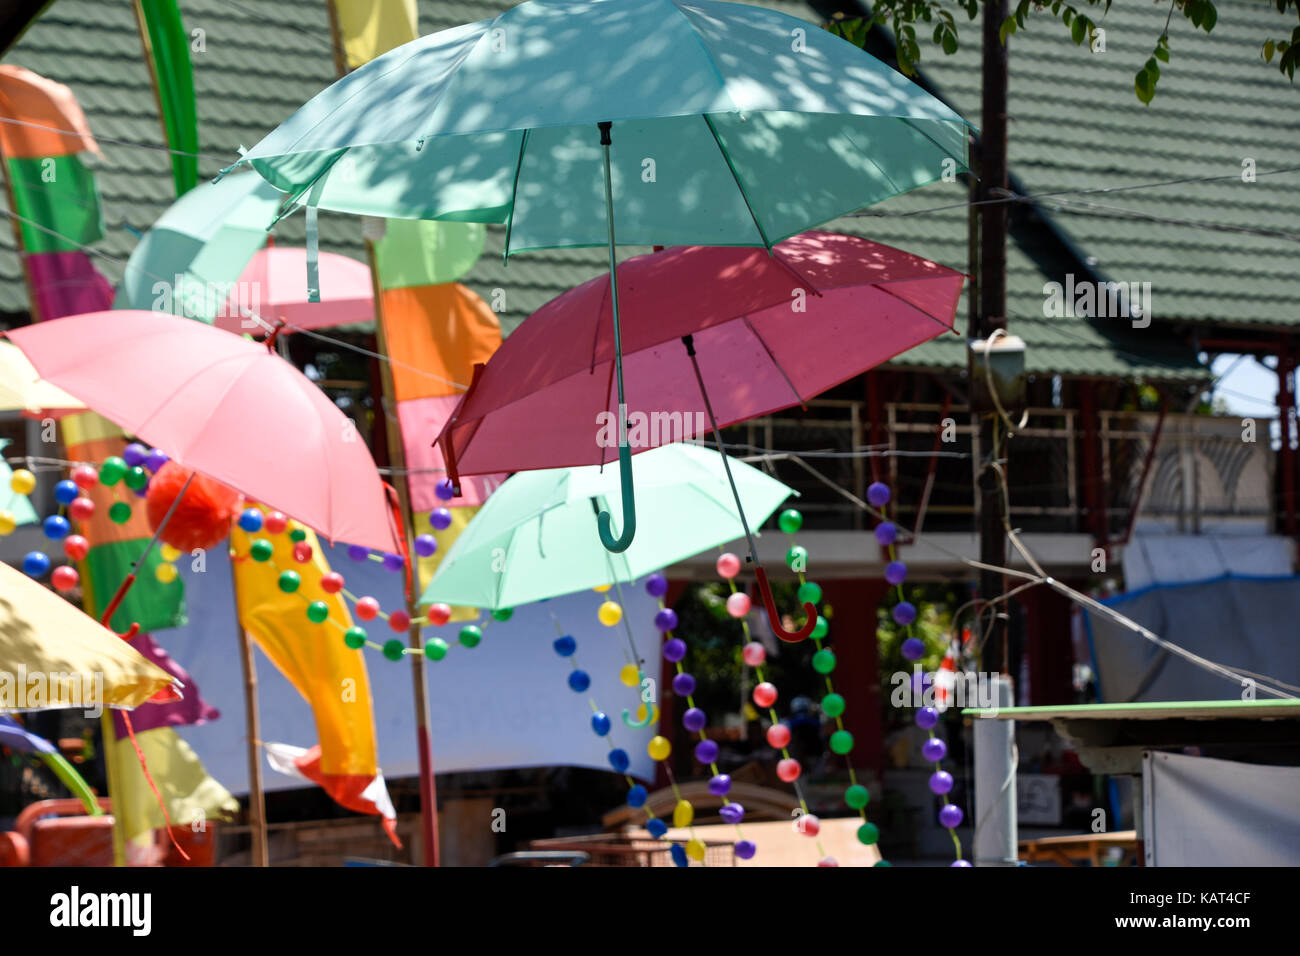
(765, 694)
(275, 523)
(64, 578)
(728, 565)
(331, 583)
(367, 608)
(789, 770)
(828, 861)
(399, 621)
(439, 614)
(754, 654)
(808, 825)
(738, 604)
(778, 736)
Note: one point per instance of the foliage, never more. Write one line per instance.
(935, 603)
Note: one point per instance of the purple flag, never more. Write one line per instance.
(192, 710)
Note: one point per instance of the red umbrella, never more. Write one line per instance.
(766, 332)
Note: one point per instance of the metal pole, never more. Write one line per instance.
(995, 784)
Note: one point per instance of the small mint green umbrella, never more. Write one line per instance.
(534, 538)
(686, 123)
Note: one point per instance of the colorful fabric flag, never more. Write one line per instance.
(56, 200)
(370, 28)
(67, 283)
(356, 793)
(193, 709)
(425, 252)
(48, 120)
(168, 55)
(331, 677)
(191, 796)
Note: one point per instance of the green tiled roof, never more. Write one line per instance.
(262, 60)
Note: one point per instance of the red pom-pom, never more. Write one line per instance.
(202, 519)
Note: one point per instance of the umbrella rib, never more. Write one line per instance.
(739, 185)
(867, 156)
(514, 192)
(944, 325)
(768, 349)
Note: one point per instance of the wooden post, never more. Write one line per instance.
(252, 730)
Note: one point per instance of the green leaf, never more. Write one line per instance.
(1079, 30)
(1008, 27)
(1269, 47)
(950, 42)
(1210, 17)
(1067, 15)
(1153, 68)
(1143, 86)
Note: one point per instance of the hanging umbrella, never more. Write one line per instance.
(539, 526)
(765, 331)
(680, 122)
(22, 390)
(271, 287)
(20, 740)
(224, 406)
(42, 634)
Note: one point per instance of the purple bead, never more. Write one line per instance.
(156, 459)
(745, 849)
(440, 518)
(934, 750)
(920, 682)
(940, 782)
(904, 613)
(960, 863)
(886, 533)
(896, 572)
(913, 648)
(425, 545)
(706, 751)
(444, 489)
(394, 562)
(666, 619)
(683, 685)
(950, 815)
(926, 717)
(357, 553)
(142, 491)
(719, 785)
(878, 494)
(674, 649)
(732, 813)
(656, 585)
(694, 720)
(135, 454)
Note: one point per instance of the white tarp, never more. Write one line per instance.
(1181, 558)
(1204, 812)
(505, 703)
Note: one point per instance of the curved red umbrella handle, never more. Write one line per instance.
(775, 619)
(109, 611)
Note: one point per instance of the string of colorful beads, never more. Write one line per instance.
(694, 720)
(856, 796)
(764, 695)
(934, 749)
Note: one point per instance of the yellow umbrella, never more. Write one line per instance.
(21, 389)
(53, 655)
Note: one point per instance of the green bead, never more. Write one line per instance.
(112, 470)
(318, 612)
(841, 742)
(393, 649)
(797, 558)
(832, 705)
(120, 513)
(261, 550)
(810, 592)
(298, 534)
(882, 863)
(470, 635)
(790, 521)
(868, 834)
(355, 637)
(136, 478)
(503, 614)
(289, 581)
(857, 796)
(435, 649)
(823, 661)
(821, 628)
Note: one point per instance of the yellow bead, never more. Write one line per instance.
(654, 715)
(169, 553)
(683, 814)
(695, 849)
(630, 675)
(609, 613)
(23, 482)
(602, 588)
(7, 522)
(659, 748)
(166, 573)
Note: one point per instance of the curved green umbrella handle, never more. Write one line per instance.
(649, 708)
(624, 541)
(75, 783)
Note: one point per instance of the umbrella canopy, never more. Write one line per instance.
(189, 262)
(769, 331)
(224, 406)
(272, 286)
(43, 635)
(21, 389)
(544, 524)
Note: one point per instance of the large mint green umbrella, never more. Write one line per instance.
(686, 123)
(534, 537)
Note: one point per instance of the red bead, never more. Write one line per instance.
(399, 621)
(331, 583)
(765, 694)
(75, 547)
(439, 614)
(778, 736)
(85, 477)
(367, 609)
(81, 509)
(789, 770)
(302, 552)
(808, 825)
(64, 578)
(275, 523)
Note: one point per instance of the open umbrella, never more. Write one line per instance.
(43, 636)
(683, 122)
(22, 390)
(224, 406)
(271, 287)
(765, 331)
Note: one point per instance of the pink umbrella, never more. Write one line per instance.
(273, 286)
(765, 331)
(222, 405)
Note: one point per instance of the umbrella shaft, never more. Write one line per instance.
(605, 143)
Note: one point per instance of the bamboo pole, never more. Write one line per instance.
(252, 730)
